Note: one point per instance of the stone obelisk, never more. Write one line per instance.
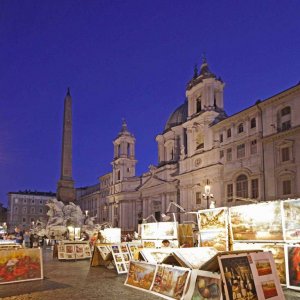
(65, 185)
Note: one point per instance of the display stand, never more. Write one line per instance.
(98, 259)
(72, 250)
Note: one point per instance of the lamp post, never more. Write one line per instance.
(207, 193)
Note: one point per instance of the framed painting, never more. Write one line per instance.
(237, 277)
(150, 243)
(257, 222)
(204, 285)
(277, 251)
(155, 256)
(21, 265)
(212, 219)
(214, 238)
(167, 230)
(291, 220)
(170, 282)
(140, 275)
(292, 259)
(149, 231)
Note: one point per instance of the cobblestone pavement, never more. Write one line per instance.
(77, 280)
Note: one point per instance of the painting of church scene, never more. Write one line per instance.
(257, 222)
(213, 219)
(293, 266)
(277, 251)
(237, 277)
(140, 275)
(291, 224)
(170, 281)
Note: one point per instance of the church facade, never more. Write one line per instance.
(248, 157)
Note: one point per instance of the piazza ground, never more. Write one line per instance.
(77, 280)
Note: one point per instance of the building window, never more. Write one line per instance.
(286, 125)
(16, 209)
(253, 148)
(228, 132)
(221, 154)
(229, 192)
(24, 210)
(241, 128)
(253, 123)
(32, 210)
(32, 201)
(118, 175)
(286, 187)
(198, 198)
(41, 201)
(221, 138)
(284, 119)
(24, 220)
(254, 188)
(285, 154)
(242, 186)
(229, 154)
(128, 149)
(24, 201)
(41, 210)
(240, 151)
(285, 111)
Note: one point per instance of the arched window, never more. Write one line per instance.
(199, 104)
(242, 186)
(253, 123)
(119, 150)
(128, 150)
(241, 128)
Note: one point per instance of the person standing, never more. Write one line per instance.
(26, 238)
(18, 236)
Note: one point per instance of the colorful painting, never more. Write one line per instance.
(277, 251)
(237, 277)
(291, 220)
(20, 265)
(263, 267)
(167, 230)
(120, 257)
(214, 238)
(149, 231)
(149, 244)
(216, 218)
(170, 281)
(140, 275)
(293, 266)
(204, 285)
(269, 289)
(257, 222)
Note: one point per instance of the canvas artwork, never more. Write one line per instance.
(167, 230)
(87, 254)
(277, 251)
(214, 238)
(293, 266)
(237, 277)
(170, 282)
(115, 249)
(69, 248)
(194, 258)
(265, 276)
(257, 222)
(291, 220)
(149, 231)
(21, 265)
(204, 285)
(140, 275)
(132, 247)
(155, 256)
(79, 249)
(216, 218)
(149, 244)
(61, 248)
(61, 255)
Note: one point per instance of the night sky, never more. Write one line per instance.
(126, 59)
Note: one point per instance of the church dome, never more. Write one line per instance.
(178, 117)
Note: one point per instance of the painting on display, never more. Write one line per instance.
(170, 282)
(292, 253)
(213, 224)
(265, 276)
(167, 230)
(204, 285)
(140, 275)
(257, 222)
(237, 277)
(21, 265)
(277, 251)
(111, 235)
(150, 243)
(133, 248)
(291, 220)
(155, 256)
(149, 231)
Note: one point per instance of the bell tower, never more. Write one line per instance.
(204, 91)
(124, 155)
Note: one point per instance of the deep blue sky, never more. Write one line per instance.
(128, 59)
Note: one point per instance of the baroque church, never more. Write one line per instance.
(248, 157)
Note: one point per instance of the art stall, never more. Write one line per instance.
(73, 250)
(21, 264)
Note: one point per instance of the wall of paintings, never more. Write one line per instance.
(74, 251)
(20, 265)
(269, 226)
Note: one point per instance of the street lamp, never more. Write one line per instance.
(207, 193)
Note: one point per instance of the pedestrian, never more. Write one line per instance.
(26, 238)
(18, 236)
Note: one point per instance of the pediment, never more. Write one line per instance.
(152, 182)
